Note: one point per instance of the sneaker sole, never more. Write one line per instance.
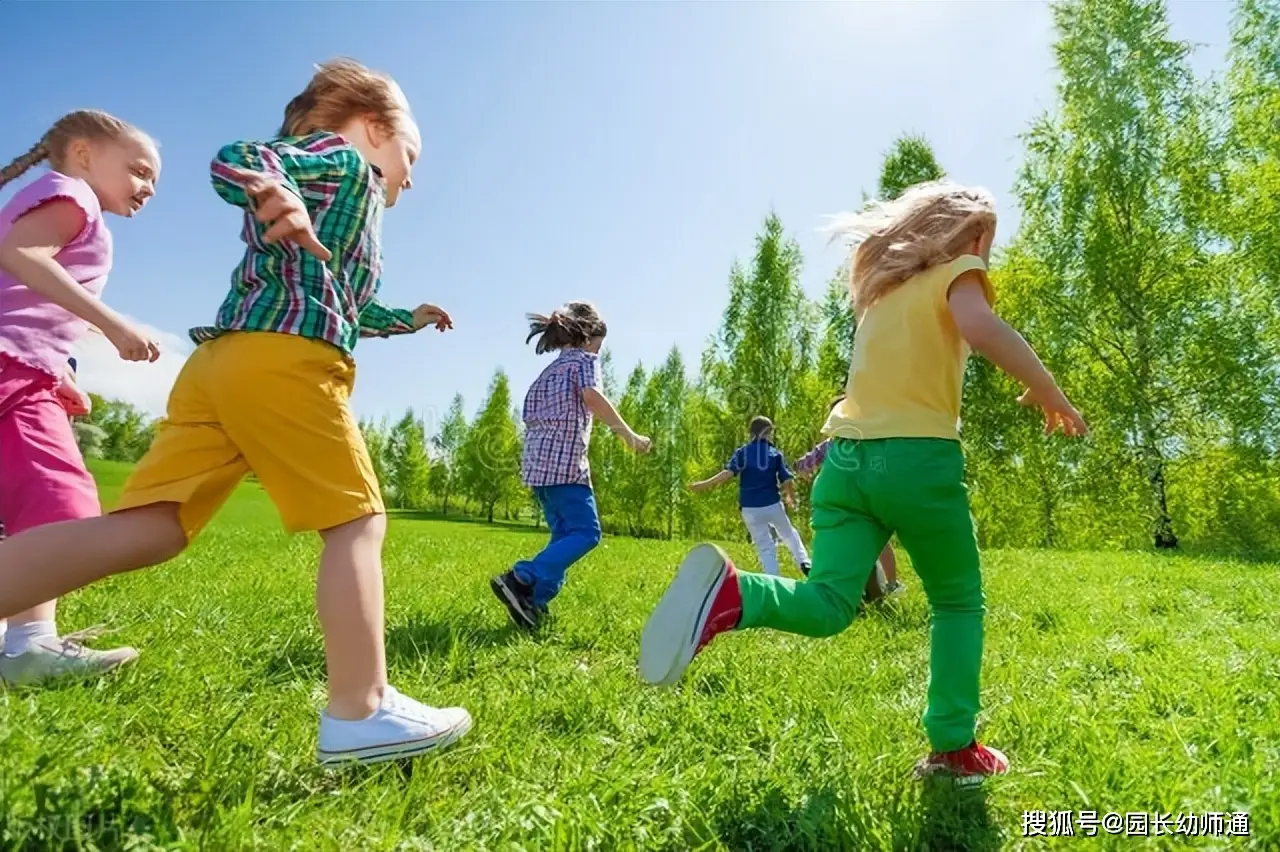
(510, 601)
(671, 633)
(394, 751)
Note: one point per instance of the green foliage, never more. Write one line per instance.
(126, 432)
(910, 161)
(489, 458)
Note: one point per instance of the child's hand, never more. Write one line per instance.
(74, 401)
(639, 443)
(1058, 411)
(132, 344)
(285, 214)
(698, 487)
(425, 315)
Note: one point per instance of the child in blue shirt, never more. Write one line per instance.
(764, 482)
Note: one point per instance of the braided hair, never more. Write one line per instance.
(91, 124)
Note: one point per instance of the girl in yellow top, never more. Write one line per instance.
(923, 300)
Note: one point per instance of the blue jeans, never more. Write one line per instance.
(575, 531)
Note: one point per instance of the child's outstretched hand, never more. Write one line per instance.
(1058, 411)
(639, 443)
(285, 214)
(425, 315)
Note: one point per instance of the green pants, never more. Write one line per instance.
(866, 492)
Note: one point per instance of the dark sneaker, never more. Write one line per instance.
(969, 765)
(703, 601)
(805, 568)
(517, 596)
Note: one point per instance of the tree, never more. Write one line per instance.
(490, 453)
(408, 466)
(89, 438)
(448, 442)
(1104, 218)
(670, 429)
(375, 441)
(128, 432)
(910, 161)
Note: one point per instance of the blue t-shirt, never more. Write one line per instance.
(760, 469)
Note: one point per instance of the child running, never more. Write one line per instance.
(922, 298)
(883, 581)
(764, 482)
(268, 390)
(558, 411)
(55, 257)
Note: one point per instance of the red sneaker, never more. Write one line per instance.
(702, 602)
(968, 765)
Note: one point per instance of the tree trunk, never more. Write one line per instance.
(1164, 537)
(491, 505)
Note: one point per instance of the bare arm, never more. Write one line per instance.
(600, 406)
(992, 337)
(714, 482)
(999, 343)
(28, 253)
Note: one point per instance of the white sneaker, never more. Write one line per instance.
(55, 658)
(400, 728)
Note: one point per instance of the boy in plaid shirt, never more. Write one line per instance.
(558, 412)
(267, 390)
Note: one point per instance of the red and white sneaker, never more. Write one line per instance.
(968, 765)
(702, 602)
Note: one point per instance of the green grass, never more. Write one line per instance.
(1114, 682)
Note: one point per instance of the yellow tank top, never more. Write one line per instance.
(907, 371)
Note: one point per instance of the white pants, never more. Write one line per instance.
(761, 522)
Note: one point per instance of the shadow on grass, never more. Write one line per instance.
(418, 637)
(506, 526)
(956, 818)
(770, 820)
(946, 819)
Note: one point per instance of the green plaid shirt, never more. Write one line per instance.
(284, 289)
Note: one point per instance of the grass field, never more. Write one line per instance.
(1115, 683)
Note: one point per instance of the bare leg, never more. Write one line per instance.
(47, 611)
(889, 564)
(350, 605)
(44, 563)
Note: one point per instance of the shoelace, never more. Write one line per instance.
(73, 644)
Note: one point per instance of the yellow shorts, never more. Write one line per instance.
(274, 404)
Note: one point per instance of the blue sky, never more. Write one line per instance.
(622, 153)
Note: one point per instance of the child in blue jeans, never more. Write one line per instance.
(558, 411)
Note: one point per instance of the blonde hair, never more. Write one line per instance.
(576, 324)
(930, 223)
(88, 124)
(343, 90)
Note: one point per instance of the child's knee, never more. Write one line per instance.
(593, 537)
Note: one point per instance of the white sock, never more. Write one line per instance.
(20, 637)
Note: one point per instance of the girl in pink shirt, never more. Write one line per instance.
(55, 254)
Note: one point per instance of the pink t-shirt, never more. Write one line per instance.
(34, 330)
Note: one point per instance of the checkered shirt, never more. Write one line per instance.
(281, 288)
(557, 424)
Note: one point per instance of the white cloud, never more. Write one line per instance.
(101, 370)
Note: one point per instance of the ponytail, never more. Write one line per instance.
(573, 326)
